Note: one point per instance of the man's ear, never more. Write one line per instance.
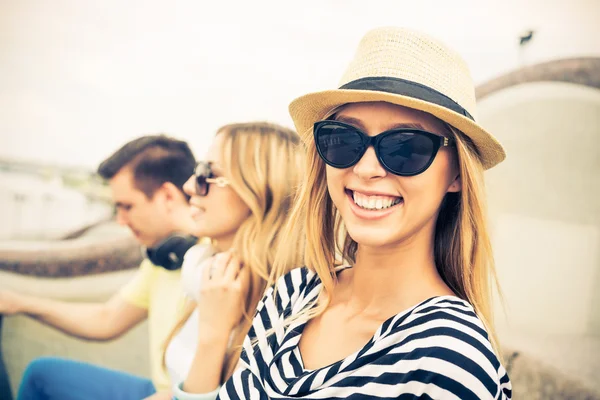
(455, 186)
(171, 192)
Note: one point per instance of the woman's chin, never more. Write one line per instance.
(200, 230)
(373, 237)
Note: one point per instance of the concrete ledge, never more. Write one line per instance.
(534, 380)
(114, 250)
(582, 71)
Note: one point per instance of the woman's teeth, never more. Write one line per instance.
(375, 202)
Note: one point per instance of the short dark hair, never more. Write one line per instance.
(154, 160)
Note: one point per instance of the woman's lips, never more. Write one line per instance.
(372, 214)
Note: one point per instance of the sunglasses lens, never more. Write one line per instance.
(406, 153)
(202, 172)
(339, 146)
(201, 185)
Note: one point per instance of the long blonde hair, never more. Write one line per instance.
(462, 247)
(264, 164)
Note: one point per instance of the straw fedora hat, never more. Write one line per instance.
(407, 68)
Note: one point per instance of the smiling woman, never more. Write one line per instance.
(400, 199)
(359, 190)
(240, 197)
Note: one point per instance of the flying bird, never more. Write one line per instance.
(525, 37)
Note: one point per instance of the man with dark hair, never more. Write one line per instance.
(146, 178)
(144, 175)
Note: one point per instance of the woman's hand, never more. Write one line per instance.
(222, 292)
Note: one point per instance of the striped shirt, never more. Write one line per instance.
(437, 349)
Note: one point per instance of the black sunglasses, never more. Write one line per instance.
(204, 177)
(401, 151)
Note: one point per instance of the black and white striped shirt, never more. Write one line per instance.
(437, 349)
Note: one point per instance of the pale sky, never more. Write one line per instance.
(80, 78)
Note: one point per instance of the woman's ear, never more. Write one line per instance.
(455, 186)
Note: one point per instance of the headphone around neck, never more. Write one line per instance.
(169, 252)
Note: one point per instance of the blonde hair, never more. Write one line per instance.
(462, 247)
(264, 164)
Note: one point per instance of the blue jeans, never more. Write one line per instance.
(52, 378)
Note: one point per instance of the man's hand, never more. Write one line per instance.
(95, 321)
(11, 303)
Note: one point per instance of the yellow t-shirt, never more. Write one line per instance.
(159, 291)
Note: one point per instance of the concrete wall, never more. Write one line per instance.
(545, 214)
(545, 205)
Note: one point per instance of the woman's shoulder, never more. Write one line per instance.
(295, 285)
(444, 338)
(448, 315)
(301, 279)
(444, 322)
(296, 280)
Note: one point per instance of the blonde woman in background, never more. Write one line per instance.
(395, 168)
(241, 196)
